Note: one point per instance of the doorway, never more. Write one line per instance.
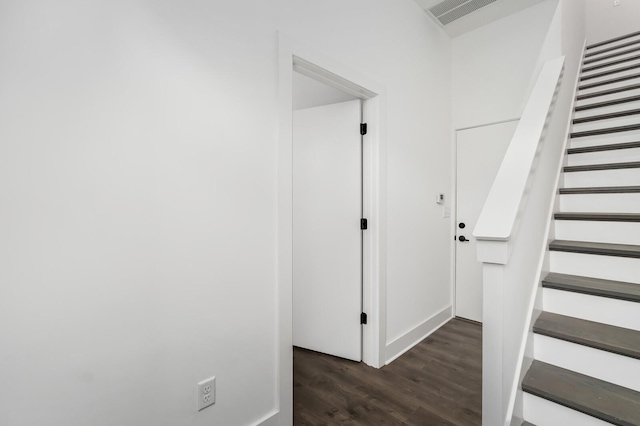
(327, 211)
(479, 153)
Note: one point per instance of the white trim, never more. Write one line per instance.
(294, 54)
(270, 419)
(414, 336)
(475, 126)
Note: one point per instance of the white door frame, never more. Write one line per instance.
(294, 55)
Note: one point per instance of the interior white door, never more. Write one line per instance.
(479, 154)
(327, 196)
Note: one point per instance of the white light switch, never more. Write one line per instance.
(616, 3)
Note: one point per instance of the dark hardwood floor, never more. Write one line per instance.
(438, 382)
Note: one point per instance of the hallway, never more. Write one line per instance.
(438, 382)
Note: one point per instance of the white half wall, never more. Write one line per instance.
(138, 197)
(604, 21)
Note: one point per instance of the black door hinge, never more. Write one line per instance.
(363, 318)
(363, 128)
(363, 223)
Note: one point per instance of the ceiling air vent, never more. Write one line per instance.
(450, 10)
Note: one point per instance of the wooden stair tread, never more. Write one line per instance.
(593, 286)
(606, 166)
(613, 55)
(606, 130)
(611, 49)
(617, 340)
(613, 40)
(606, 73)
(603, 400)
(604, 249)
(609, 147)
(601, 190)
(606, 116)
(609, 103)
(611, 63)
(604, 83)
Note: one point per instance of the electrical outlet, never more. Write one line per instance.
(616, 3)
(206, 393)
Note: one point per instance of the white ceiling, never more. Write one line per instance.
(490, 13)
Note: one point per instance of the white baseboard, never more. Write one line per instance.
(414, 336)
(270, 419)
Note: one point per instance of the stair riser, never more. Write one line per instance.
(609, 76)
(598, 232)
(606, 110)
(596, 266)
(600, 157)
(599, 178)
(592, 362)
(621, 313)
(615, 58)
(616, 46)
(606, 123)
(600, 203)
(610, 67)
(546, 413)
(605, 139)
(609, 86)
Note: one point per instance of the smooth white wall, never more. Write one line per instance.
(604, 21)
(138, 197)
(493, 66)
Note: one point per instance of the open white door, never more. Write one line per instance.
(479, 154)
(327, 196)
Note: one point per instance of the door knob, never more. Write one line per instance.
(462, 239)
(461, 225)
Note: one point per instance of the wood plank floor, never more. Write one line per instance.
(438, 382)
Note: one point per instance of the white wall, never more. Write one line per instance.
(495, 65)
(138, 197)
(604, 21)
(309, 93)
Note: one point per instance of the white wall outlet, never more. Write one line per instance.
(206, 393)
(439, 198)
(616, 3)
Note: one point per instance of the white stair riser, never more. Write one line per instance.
(608, 123)
(621, 313)
(598, 178)
(599, 61)
(598, 232)
(608, 86)
(618, 74)
(605, 139)
(608, 68)
(596, 266)
(603, 365)
(618, 46)
(602, 157)
(600, 203)
(546, 413)
(607, 110)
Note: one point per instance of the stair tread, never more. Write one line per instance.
(601, 190)
(609, 103)
(606, 130)
(612, 48)
(587, 247)
(612, 40)
(612, 403)
(608, 147)
(598, 217)
(594, 286)
(605, 166)
(608, 64)
(606, 73)
(608, 91)
(606, 116)
(617, 340)
(613, 55)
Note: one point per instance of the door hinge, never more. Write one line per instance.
(363, 318)
(363, 128)
(363, 223)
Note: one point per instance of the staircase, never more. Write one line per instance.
(586, 342)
